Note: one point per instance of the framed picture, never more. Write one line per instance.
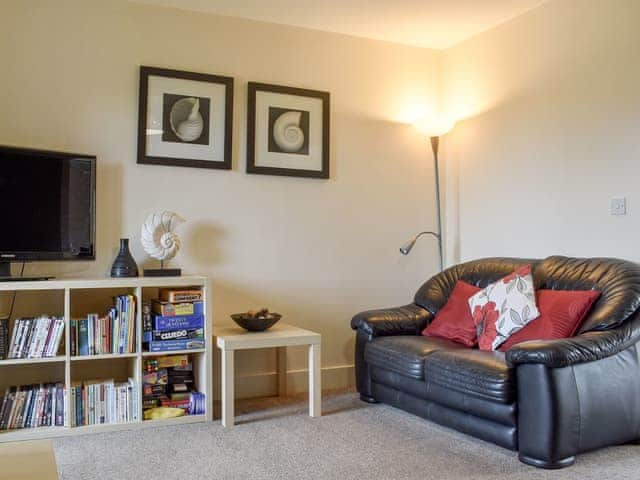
(184, 119)
(287, 131)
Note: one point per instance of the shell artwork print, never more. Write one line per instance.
(287, 132)
(158, 237)
(186, 120)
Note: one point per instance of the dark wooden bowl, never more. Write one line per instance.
(255, 324)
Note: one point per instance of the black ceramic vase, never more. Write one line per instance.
(124, 265)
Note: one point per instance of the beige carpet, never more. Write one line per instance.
(352, 440)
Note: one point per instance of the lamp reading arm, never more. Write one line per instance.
(406, 248)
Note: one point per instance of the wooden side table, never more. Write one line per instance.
(281, 335)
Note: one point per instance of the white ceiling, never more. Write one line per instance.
(424, 23)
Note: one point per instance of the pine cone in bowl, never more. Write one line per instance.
(256, 320)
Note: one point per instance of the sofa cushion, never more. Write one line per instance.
(454, 320)
(561, 312)
(473, 372)
(405, 354)
(503, 413)
(503, 308)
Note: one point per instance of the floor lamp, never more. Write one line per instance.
(434, 130)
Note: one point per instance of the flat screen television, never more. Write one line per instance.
(48, 206)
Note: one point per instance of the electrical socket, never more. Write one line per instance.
(619, 206)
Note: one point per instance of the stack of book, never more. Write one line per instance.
(112, 333)
(4, 338)
(169, 382)
(174, 322)
(33, 406)
(36, 337)
(103, 401)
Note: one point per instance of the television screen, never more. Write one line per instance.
(47, 203)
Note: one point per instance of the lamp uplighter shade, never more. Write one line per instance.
(433, 126)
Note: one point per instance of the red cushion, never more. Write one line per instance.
(561, 313)
(454, 320)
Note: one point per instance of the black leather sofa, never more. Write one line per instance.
(549, 400)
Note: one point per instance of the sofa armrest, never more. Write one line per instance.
(408, 320)
(586, 347)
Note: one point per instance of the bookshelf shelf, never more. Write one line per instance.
(104, 356)
(99, 427)
(28, 361)
(52, 432)
(175, 421)
(32, 433)
(174, 352)
(66, 368)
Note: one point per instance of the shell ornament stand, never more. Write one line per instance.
(161, 242)
(162, 272)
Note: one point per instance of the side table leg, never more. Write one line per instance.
(227, 388)
(282, 371)
(315, 389)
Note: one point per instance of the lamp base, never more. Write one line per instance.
(162, 272)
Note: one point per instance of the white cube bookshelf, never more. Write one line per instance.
(66, 368)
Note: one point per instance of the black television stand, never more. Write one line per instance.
(5, 275)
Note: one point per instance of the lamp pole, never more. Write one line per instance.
(435, 143)
(434, 132)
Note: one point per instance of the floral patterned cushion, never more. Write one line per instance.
(503, 308)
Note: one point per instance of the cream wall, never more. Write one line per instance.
(550, 109)
(316, 251)
(549, 115)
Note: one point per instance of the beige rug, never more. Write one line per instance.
(353, 440)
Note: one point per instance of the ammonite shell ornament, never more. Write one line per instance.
(158, 237)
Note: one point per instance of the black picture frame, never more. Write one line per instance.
(143, 158)
(253, 89)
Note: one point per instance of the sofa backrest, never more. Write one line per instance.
(618, 280)
(434, 292)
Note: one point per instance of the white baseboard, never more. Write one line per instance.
(266, 384)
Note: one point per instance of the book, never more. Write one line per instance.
(168, 309)
(36, 337)
(83, 336)
(173, 345)
(32, 406)
(179, 295)
(147, 320)
(73, 337)
(60, 394)
(95, 402)
(178, 322)
(110, 333)
(23, 326)
(4, 338)
(197, 403)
